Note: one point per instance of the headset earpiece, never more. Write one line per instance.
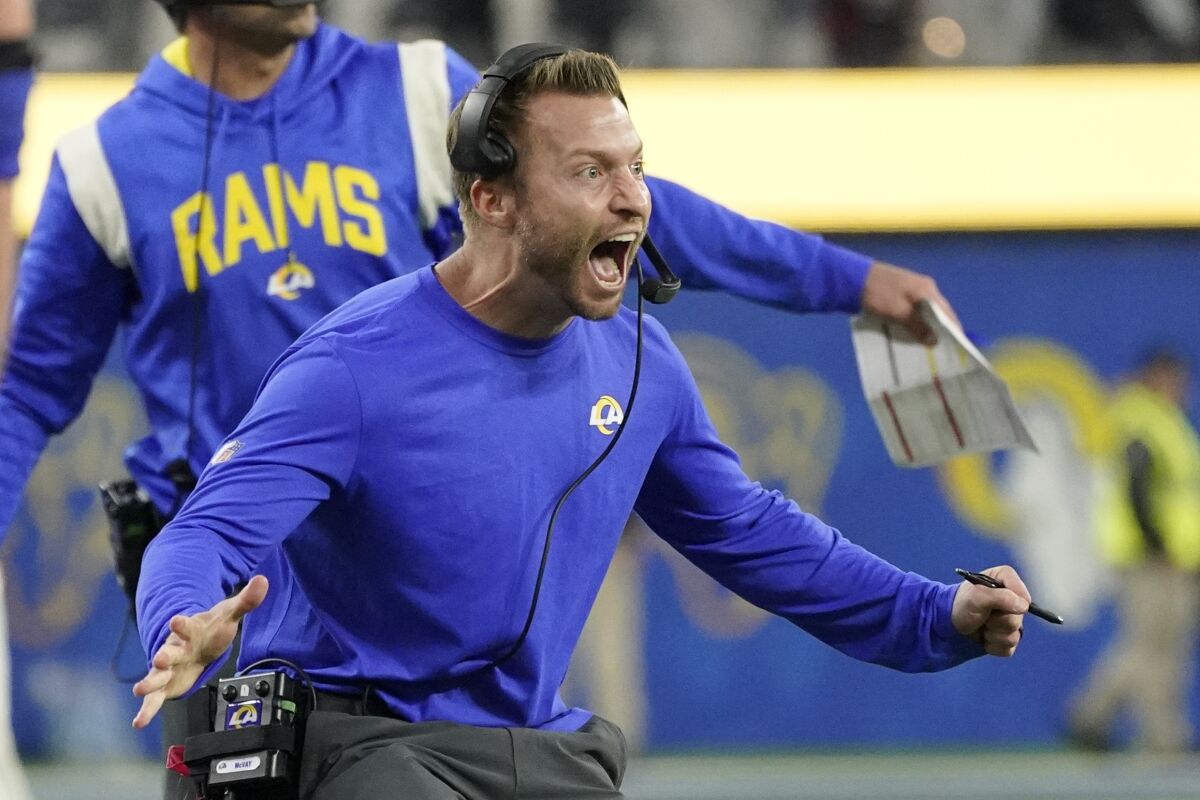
(500, 154)
(477, 149)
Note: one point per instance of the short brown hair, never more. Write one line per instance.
(577, 72)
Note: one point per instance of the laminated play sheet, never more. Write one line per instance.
(933, 403)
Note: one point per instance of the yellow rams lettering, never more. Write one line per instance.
(273, 177)
(313, 198)
(340, 201)
(243, 220)
(368, 235)
(200, 242)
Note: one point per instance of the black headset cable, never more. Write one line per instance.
(562, 499)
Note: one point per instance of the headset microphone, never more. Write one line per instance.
(664, 288)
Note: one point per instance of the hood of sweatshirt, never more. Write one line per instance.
(317, 62)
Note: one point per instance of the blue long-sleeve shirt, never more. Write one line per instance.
(342, 165)
(15, 83)
(394, 479)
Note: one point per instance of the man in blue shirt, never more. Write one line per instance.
(265, 169)
(391, 495)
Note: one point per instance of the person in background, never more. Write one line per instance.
(16, 78)
(1150, 532)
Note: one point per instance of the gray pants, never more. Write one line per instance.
(350, 757)
(1148, 667)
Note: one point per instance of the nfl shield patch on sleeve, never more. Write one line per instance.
(227, 451)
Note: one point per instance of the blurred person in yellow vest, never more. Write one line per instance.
(1149, 531)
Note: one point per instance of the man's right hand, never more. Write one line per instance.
(895, 293)
(194, 643)
(992, 617)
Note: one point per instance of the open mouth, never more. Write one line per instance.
(609, 260)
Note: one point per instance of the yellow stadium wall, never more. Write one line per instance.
(869, 150)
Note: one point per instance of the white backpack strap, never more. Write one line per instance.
(427, 104)
(93, 190)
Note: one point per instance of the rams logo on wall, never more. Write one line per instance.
(786, 426)
(1042, 505)
(60, 535)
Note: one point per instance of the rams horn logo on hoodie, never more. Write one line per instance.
(290, 280)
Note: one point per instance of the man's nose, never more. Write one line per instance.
(630, 196)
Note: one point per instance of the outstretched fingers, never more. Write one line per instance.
(249, 598)
(151, 703)
(156, 680)
(193, 642)
(163, 669)
(153, 691)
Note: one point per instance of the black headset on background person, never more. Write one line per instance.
(179, 470)
(481, 149)
(134, 518)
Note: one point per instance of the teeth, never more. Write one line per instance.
(624, 237)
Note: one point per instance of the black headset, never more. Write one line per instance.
(482, 150)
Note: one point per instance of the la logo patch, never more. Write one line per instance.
(606, 415)
(243, 715)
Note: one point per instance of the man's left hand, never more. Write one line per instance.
(194, 642)
(893, 293)
(992, 617)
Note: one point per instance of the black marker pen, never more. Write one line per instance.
(979, 579)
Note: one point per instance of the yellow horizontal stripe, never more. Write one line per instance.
(937, 149)
(933, 149)
(59, 103)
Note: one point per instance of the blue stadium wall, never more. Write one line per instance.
(1061, 314)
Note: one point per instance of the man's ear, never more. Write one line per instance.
(494, 201)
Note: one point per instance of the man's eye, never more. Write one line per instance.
(592, 172)
(638, 168)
